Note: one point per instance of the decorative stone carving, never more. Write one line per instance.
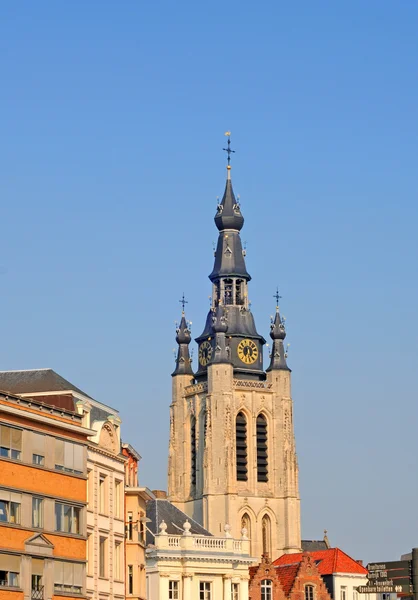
(107, 438)
(163, 528)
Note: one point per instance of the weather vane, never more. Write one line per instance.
(278, 297)
(183, 302)
(228, 150)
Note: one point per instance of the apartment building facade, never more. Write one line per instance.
(136, 520)
(43, 497)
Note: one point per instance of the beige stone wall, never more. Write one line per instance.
(218, 498)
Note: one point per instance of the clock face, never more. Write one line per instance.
(205, 353)
(247, 352)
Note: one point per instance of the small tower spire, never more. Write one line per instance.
(183, 339)
(277, 334)
(222, 352)
(229, 151)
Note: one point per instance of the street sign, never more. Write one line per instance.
(385, 589)
(386, 566)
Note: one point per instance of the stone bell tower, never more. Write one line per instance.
(232, 455)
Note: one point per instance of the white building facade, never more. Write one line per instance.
(189, 567)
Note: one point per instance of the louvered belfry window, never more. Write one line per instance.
(193, 449)
(241, 447)
(262, 458)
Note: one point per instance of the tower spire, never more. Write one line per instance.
(229, 151)
(183, 339)
(277, 334)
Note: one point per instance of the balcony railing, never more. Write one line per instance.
(37, 592)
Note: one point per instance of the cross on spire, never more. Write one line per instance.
(228, 150)
(183, 302)
(277, 296)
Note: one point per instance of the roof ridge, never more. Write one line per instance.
(27, 370)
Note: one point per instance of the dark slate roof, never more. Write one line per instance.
(35, 381)
(229, 258)
(229, 214)
(314, 545)
(162, 510)
(240, 322)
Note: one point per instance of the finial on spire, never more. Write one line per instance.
(229, 152)
(278, 297)
(183, 302)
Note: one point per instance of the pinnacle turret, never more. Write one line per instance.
(183, 339)
(278, 334)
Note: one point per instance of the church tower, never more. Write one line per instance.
(232, 455)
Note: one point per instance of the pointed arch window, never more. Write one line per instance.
(266, 535)
(193, 449)
(241, 447)
(262, 458)
(246, 524)
(266, 589)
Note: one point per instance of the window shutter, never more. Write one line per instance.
(59, 452)
(78, 574)
(10, 562)
(38, 444)
(69, 456)
(37, 566)
(78, 458)
(58, 572)
(5, 496)
(68, 573)
(5, 436)
(16, 439)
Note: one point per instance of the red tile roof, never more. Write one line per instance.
(286, 575)
(328, 561)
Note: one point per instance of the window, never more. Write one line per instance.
(10, 442)
(37, 578)
(9, 512)
(262, 463)
(89, 562)
(266, 589)
(67, 518)
(102, 556)
(130, 579)
(309, 592)
(9, 570)
(69, 457)
(129, 526)
(266, 535)
(235, 591)
(102, 494)
(241, 447)
(38, 448)
(343, 593)
(246, 526)
(173, 590)
(118, 561)
(228, 297)
(193, 448)
(205, 590)
(239, 299)
(118, 488)
(37, 512)
(68, 577)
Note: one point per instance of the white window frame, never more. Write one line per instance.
(74, 520)
(234, 591)
(7, 507)
(266, 589)
(173, 589)
(205, 590)
(8, 447)
(37, 509)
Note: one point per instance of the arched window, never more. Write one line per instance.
(193, 449)
(262, 462)
(239, 297)
(241, 447)
(309, 592)
(266, 589)
(228, 298)
(266, 535)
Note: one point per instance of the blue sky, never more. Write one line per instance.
(112, 122)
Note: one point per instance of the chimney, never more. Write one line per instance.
(360, 562)
(160, 494)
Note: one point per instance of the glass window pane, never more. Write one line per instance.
(58, 516)
(14, 512)
(67, 517)
(3, 511)
(76, 519)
